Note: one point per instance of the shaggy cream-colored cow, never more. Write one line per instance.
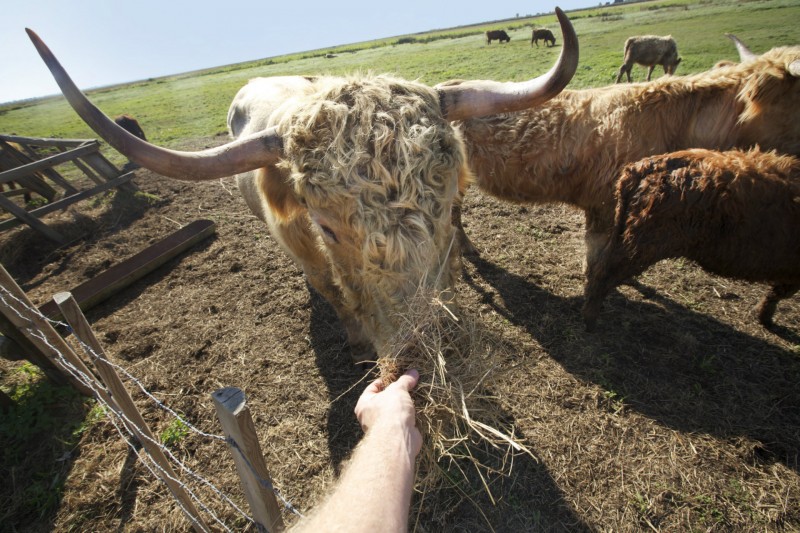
(355, 177)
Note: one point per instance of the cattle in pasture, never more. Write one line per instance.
(649, 50)
(735, 213)
(131, 125)
(354, 176)
(497, 35)
(572, 149)
(543, 34)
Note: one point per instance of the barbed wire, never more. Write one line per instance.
(92, 384)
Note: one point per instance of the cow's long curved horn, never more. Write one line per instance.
(242, 155)
(744, 53)
(478, 98)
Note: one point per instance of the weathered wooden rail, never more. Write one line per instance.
(98, 378)
(30, 162)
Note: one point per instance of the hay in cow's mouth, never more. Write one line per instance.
(463, 426)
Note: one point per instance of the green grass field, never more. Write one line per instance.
(194, 105)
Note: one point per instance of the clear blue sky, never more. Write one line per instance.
(103, 42)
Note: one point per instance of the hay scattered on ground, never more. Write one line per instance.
(463, 428)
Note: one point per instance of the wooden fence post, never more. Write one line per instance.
(237, 424)
(21, 314)
(80, 326)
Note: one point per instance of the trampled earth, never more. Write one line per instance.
(679, 413)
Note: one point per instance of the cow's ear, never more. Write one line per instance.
(794, 68)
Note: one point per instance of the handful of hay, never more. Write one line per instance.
(461, 424)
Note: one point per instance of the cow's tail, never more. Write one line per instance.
(628, 42)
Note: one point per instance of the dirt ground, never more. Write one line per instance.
(680, 413)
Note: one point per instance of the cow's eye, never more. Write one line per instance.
(328, 232)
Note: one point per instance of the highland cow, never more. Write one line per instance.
(131, 125)
(355, 177)
(736, 214)
(649, 50)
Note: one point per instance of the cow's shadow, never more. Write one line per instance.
(528, 496)
(684, 369)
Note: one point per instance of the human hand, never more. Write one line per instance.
(391, 406)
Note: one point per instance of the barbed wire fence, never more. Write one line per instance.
(111, 394)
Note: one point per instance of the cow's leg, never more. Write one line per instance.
(625, 69)
(465, 245)
(598, 230)
(766, 308)
(611, 267)
(650, 71)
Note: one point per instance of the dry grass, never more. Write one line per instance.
(463, 430)
(680, 413)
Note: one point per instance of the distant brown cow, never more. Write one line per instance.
(650, 50)
(497, 35)
(131, 125)
(545, 35)
(735, 213)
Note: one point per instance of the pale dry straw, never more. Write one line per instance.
(462, 424)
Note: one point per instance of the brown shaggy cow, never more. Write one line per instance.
(736, 214)
(131, 125)
(573, 148)
(355, 177)
(649, 50)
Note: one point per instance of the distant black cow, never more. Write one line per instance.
(497, 35)
(650, 50)
(545, 35)
(131, 125)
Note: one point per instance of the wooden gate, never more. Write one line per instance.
(30, 162)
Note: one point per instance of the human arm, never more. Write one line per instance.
(374, 491)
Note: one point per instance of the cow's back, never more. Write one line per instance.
(262, 102)
(650, 49)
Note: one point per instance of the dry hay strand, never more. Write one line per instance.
(463, 426)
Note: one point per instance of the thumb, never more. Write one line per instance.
(407, 381)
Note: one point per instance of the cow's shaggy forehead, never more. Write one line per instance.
(377, 152)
